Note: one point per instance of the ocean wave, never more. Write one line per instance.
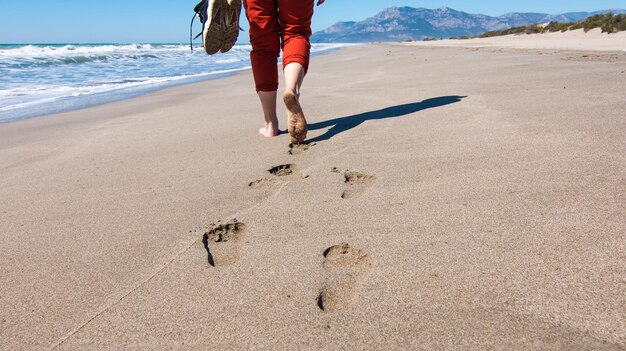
(36, 55)
(326, 47)
(56, 51)
(35, 78)
(31, 55)
(29, 51)
(35, 95)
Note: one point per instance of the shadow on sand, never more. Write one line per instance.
(342, 124)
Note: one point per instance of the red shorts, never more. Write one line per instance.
(275, 24)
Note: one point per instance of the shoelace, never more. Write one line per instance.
(191, 38)
(198, 10)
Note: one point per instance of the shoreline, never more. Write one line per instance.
(68, 104)
(38, 108)
(482, 207)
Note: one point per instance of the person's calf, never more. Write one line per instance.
(268, 103)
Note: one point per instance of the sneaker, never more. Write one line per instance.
(230, 19)
(213, 29)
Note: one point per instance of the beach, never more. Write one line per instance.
(450, 198)
(592, 40)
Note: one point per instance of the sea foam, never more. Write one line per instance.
(42, 79)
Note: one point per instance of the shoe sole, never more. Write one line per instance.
(213, 34)
(233, 7)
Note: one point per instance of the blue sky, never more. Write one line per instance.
(134, 21)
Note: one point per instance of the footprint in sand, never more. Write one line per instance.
(344, 269)
(263, 183)
(356, 183)
(297, 149)
(286, 171)
(223, 243)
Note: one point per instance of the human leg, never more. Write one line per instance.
(295, 24)
(268, 103)
(296, 123)
(265, 40)
(295, 20)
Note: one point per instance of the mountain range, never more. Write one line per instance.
(408, 23)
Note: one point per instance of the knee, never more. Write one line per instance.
(297, 30)
(267, 44)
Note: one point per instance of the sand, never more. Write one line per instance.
(593, 40)
(451, 198)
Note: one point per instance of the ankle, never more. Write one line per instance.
(289, 91)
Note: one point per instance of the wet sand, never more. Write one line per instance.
(451, 198)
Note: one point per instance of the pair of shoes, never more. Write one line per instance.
(220, 24)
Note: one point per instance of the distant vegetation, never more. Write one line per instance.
(609, 23)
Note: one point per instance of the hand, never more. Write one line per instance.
(319, 2)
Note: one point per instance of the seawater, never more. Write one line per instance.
(42, 79)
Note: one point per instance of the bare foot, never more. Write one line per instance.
(296, 125)
(269, 130)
